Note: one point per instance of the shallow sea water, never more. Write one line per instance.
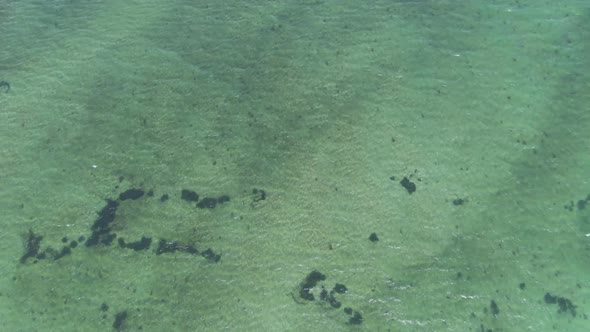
(316, 119)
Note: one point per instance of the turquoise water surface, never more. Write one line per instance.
(294, 165)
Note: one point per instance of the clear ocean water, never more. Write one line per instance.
(313, 165)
